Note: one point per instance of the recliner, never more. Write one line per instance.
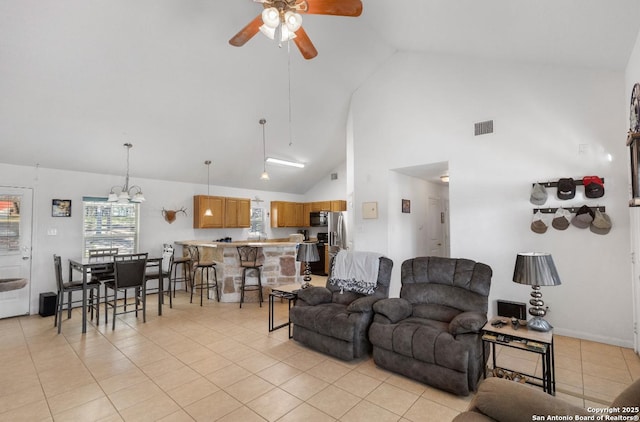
(432, 332)
(336, 322)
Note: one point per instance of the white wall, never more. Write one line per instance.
(154, 230)
(421, 109)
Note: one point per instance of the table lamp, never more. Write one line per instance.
(307, 252)
(536, 269)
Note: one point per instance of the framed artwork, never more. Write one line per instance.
(61, 208)
(406, 206)
(369, 210)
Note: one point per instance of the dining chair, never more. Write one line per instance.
(164, 270)
(69, 287)
(103, 273)
(129, 273)
(204, 283)
(249, 261)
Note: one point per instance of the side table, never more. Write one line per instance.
(290, 296)
(523, 339)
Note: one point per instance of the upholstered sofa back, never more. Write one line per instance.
(443, 287)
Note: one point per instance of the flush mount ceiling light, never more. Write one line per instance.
(125, 194)
(208, 211)
(284, 162)
(264, 175)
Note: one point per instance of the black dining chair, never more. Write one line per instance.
(129, 273)
(67, 288)
(163, 269)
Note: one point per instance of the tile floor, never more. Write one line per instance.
(220, 363)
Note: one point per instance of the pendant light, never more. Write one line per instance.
(208, 212)
(264, 175)
(125, 193)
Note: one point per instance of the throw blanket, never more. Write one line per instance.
(356, 271)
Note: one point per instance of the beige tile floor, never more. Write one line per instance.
(220, 363)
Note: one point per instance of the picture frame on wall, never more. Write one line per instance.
(406, 206)
(61, 208)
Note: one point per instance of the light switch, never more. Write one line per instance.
(52, 232)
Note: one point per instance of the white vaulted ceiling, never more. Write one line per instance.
(79, 78)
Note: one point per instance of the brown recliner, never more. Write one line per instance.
(432, 332)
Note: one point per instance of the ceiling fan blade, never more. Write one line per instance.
(305, 45)
(247, 32)
(334, 7)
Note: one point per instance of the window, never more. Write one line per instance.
(110, 225)
(9, 223)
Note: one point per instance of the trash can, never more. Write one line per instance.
(48, 304)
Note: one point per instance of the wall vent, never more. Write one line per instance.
(334, 176)
(482, 128)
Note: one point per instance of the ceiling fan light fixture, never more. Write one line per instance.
(271, 17)
(285, 34)
(293, 21)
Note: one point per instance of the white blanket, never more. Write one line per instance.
(356, 271)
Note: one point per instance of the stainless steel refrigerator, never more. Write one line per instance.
(338, 230)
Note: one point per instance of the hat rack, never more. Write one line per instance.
(572, 210)
(577, 181)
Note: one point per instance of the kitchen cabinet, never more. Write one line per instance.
(200, 204)
(237, 212)
(338, 205)
(321, 206)
(306, 210)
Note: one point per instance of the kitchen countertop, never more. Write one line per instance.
(262, 244)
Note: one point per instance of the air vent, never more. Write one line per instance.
(482, 128)
(334, 176)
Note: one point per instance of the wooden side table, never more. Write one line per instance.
(523, 339)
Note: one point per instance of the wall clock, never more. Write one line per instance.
(634, 117)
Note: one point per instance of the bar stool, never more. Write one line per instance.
(248, 261)
(185, 261)
(204, 283)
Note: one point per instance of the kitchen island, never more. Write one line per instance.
(278, 259)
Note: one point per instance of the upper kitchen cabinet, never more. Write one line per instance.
(200, 205)
(320, 206)
(306, 211)
(237, 212)
(287, 214)
(338, 205)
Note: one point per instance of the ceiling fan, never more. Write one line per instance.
(281, 20)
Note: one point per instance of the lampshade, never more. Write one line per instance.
(535, 269)
(292, 20)
(308, 252)
(271, 17)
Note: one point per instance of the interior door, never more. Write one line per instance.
(435, 232)
(15, 250)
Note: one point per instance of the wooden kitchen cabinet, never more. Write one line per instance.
(287, 214)
(338, 205)
(237, 212)
(321, 206)
(216, 204)
(306, 211)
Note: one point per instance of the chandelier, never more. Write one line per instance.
(125, 194)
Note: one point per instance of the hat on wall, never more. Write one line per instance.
(593, 186)
(538, 194)
(561, 219)
(566, 188)
(537, 225)
(583, 218)
(601, 223)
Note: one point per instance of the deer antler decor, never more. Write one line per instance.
(170, 215)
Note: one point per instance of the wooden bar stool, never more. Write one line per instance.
(249, 261)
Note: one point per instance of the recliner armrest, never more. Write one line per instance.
(467, 322)
(315, 295)
(395, 309)
(363, 304)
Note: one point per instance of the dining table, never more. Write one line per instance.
(84, 265)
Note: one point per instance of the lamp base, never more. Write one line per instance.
(539, 324)
(306, 280)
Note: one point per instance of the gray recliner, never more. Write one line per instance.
(335, 322)
(432, 332)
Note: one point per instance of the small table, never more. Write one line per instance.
(523, 339)
(84, 264)
(288, 292)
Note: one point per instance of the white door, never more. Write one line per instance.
(15, 250)
(435, 232)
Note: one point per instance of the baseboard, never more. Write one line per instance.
(591, 337)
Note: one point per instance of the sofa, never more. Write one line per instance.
(432, 332)
(501, 400)
(335, 321)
